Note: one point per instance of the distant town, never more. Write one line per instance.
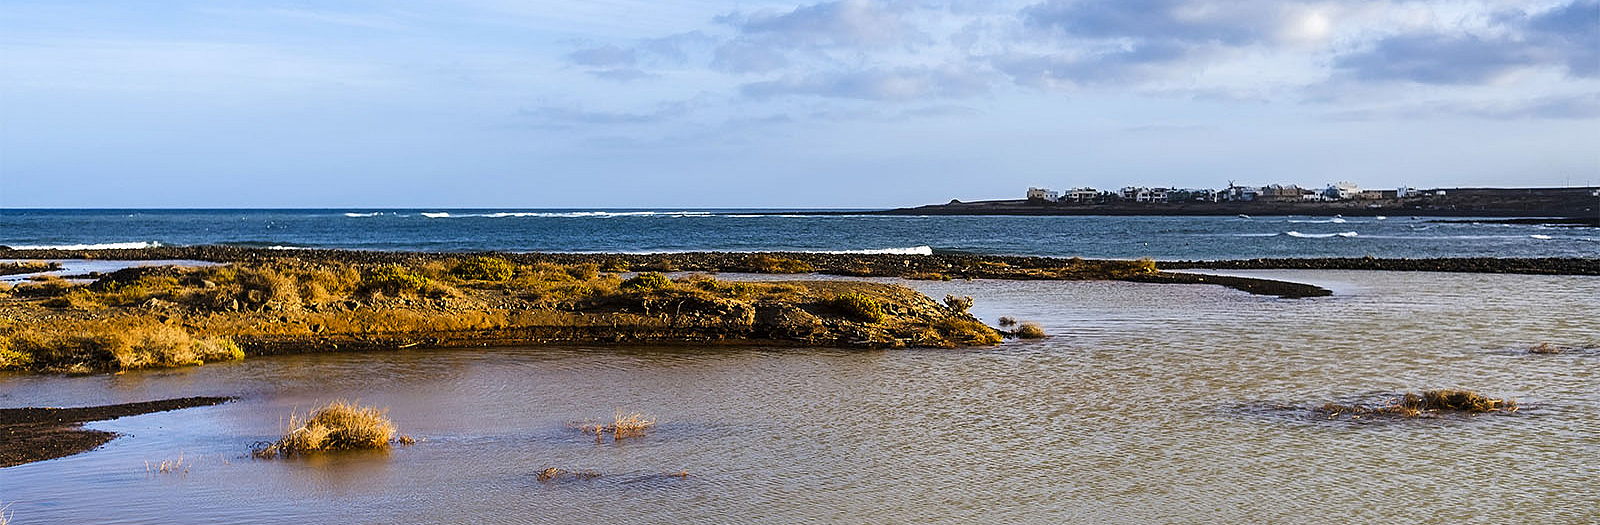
(1338, 198)
(1338, 191)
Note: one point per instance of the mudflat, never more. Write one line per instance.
(37, 434)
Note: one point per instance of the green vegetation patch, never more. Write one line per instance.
(394, 280)
(484, 269)
(647, 281)
(858, 307)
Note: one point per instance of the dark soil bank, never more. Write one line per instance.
(38, 434)
(1541, 266)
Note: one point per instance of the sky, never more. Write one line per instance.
(854, 103)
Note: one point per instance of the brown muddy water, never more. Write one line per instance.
(1151, 403)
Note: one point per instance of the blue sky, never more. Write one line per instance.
(857, 103)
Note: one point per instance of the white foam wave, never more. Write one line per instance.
(1319, 235)
(570, 214)
(915, 250)
(100, 246)
(1541, 237)
(1335, 220)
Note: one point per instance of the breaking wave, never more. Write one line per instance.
(569, 214)
(100, 246)
(374, 214)
(1319, 235)
(914, 250)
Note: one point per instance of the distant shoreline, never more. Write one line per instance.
(1574, 203)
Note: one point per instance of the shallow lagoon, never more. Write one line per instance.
(1150, 403)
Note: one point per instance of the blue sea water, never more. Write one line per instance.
(642, 231)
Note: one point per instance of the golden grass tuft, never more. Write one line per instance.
(1030, 331)
(339, 425)
(122, 344)
(770, 264)
(1008, 321)
(1545, 348)
(1428, 402)
(622, 425)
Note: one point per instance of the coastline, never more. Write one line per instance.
(933, 266)
(37, 434)
(1574, 203)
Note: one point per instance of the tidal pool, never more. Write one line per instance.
(1149, 403)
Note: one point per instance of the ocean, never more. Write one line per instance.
(677, 230)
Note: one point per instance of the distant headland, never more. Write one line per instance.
(1338, 199)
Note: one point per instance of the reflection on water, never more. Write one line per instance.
(1136, 410)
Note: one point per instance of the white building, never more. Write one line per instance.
(1240, 194)
(1044, 194)
(1083, 195)
(1404, 192)
(1342, 190)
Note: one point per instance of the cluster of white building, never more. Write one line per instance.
(1338, 191)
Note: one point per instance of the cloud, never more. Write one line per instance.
(903, 83)
(1564, 38)
(748, 57)
(603, 56)
(1234, 23)
(1571, 34)
(622, 74)
(1436, 59)
(562, 116)
(674, 48)
(1583, 106)
(1115, 66)
(852, 23)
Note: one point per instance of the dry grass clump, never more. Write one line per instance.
(1545, 348)
(44, 286)
(622, 426)
(952, 331)
(118, 344)
(1029, 331)
(958, 305)
(339, 425)
(927, 276)
(1007, 321)
(167, 466)
(1428, 402)
(770, 264)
